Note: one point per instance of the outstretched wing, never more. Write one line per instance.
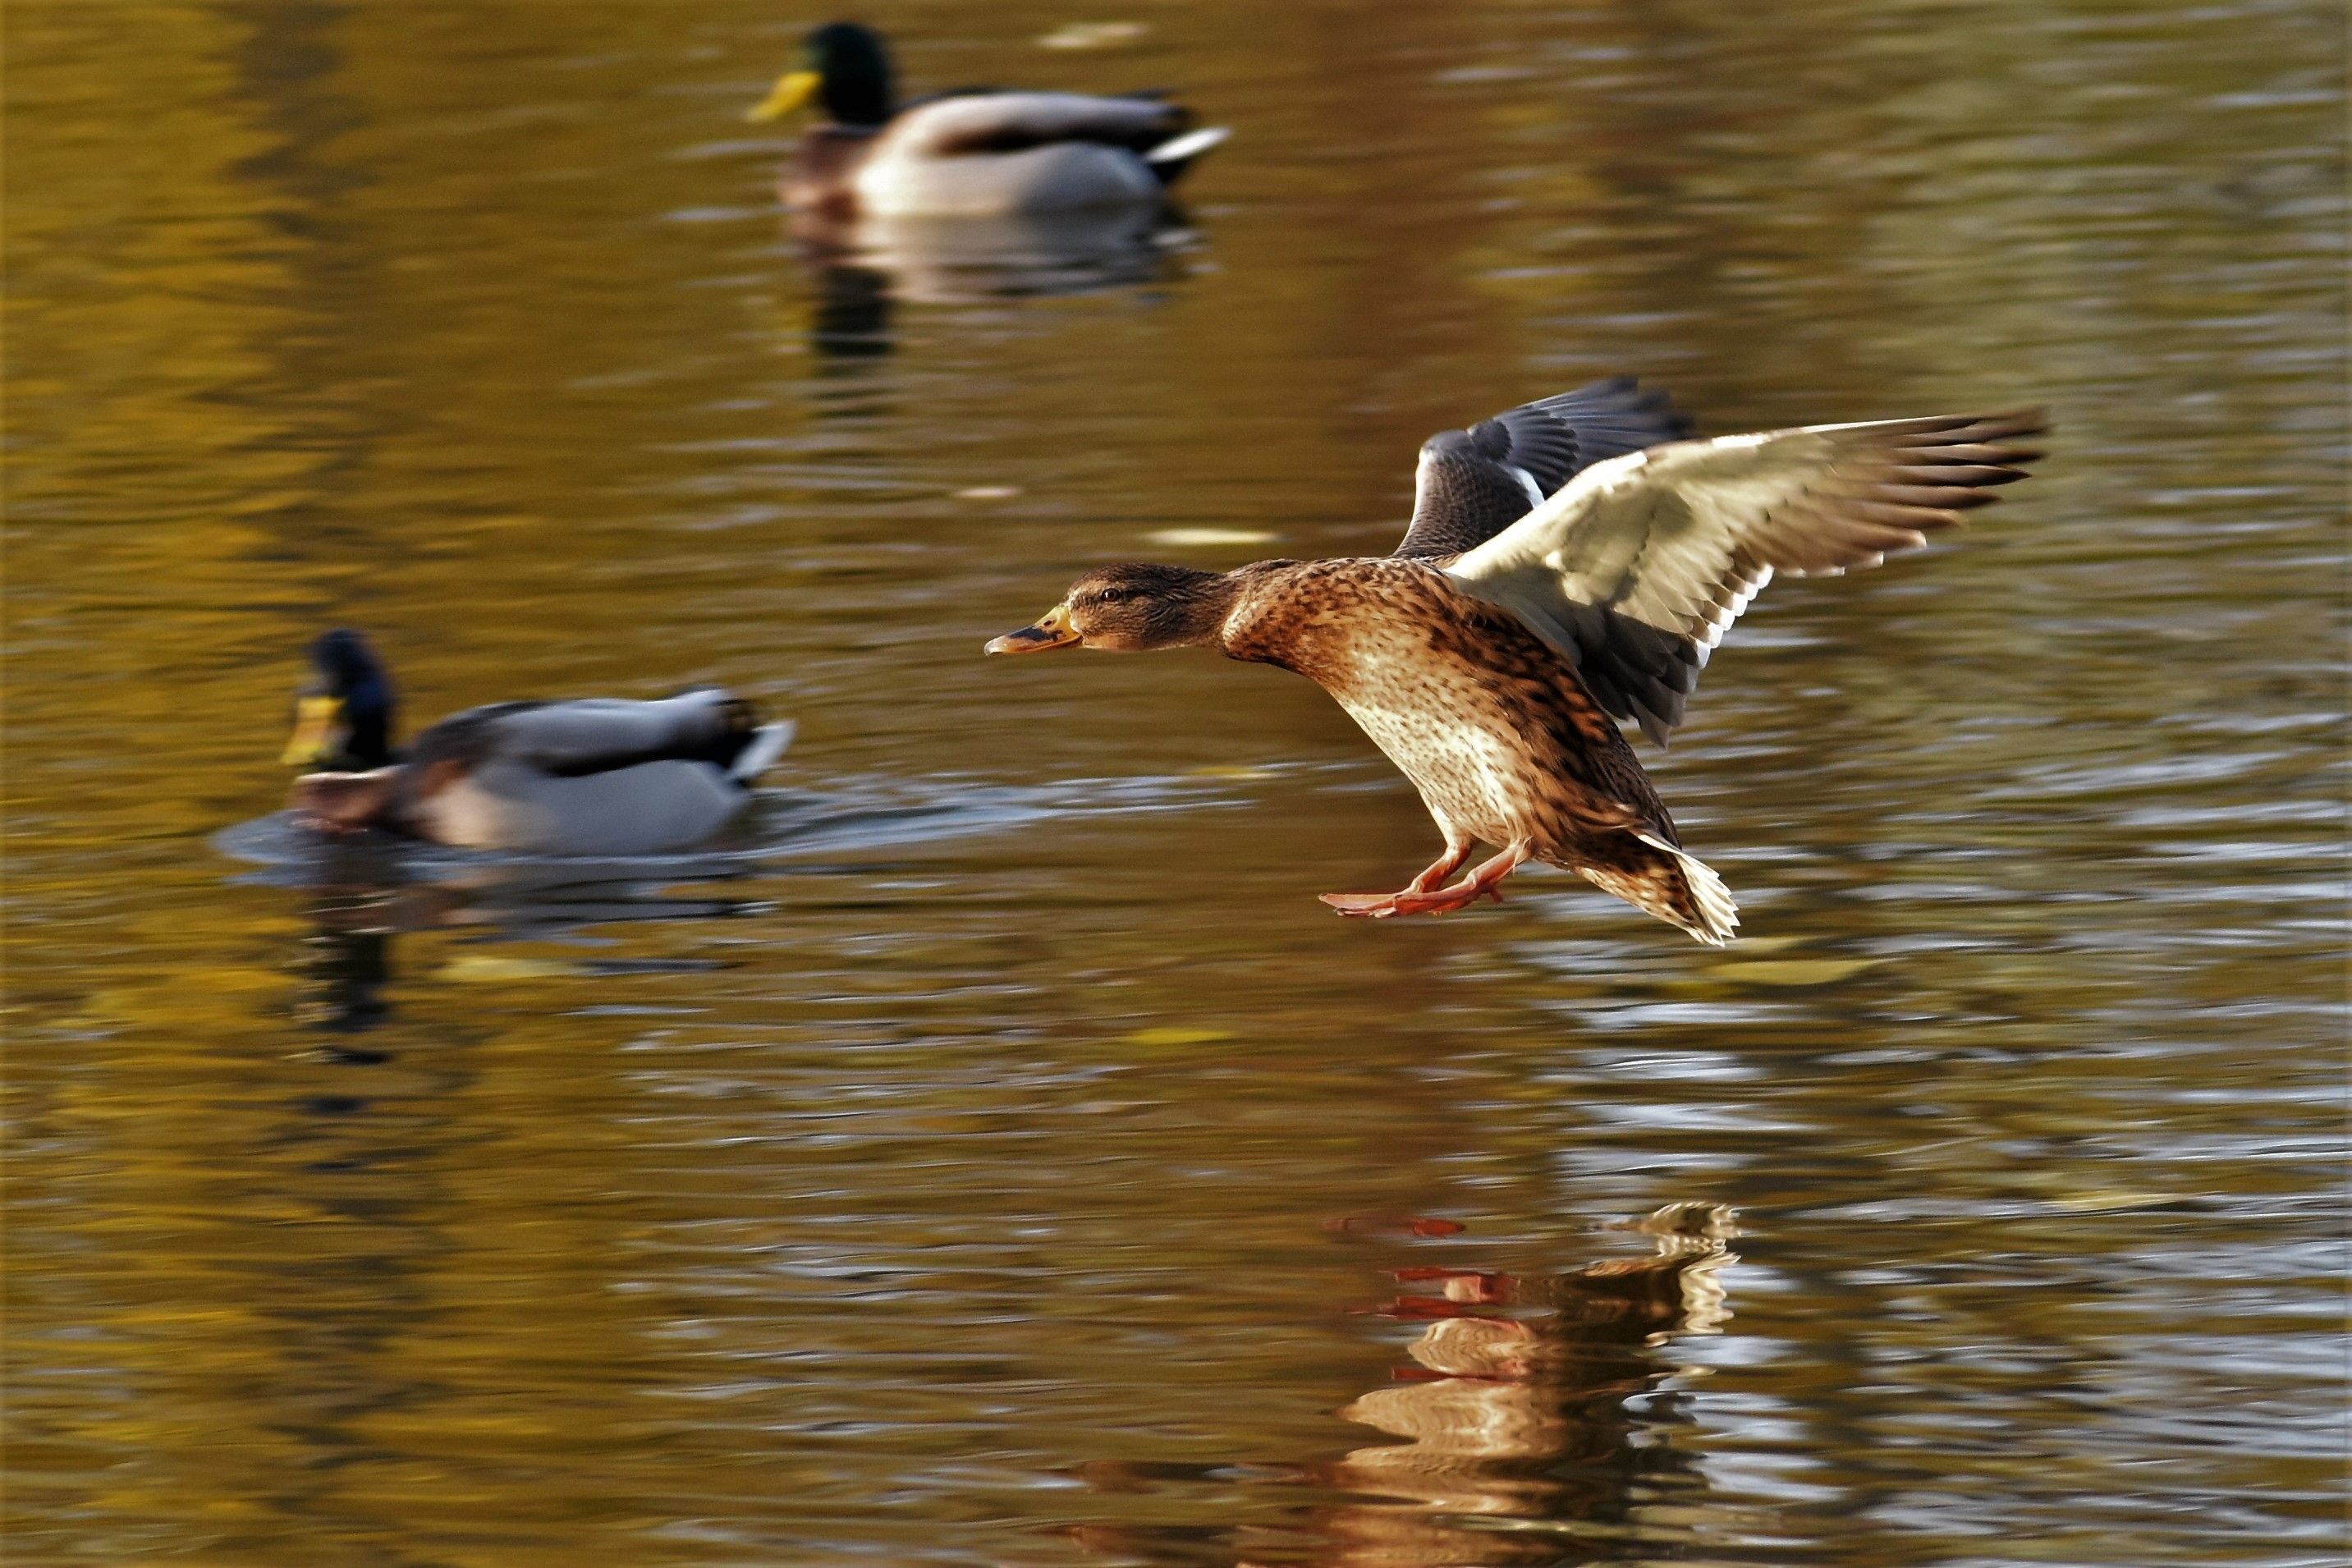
(1637, 570)
(1472, 484)
(984, 121)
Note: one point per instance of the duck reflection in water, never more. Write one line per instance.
(357, 897)
(342, 967)
(1524, 1419)
(362, 892)
(1518, 1447)
(865, 266)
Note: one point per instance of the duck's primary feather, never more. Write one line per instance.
(1635, 570)
(1472, 484)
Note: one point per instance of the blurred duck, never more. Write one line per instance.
(1570, 564)
(973, 151)
(596, 777)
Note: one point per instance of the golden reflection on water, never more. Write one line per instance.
(1517, 1439)
(964, 1135)
(1522, 1420)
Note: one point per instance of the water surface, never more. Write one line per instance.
(997, 1155)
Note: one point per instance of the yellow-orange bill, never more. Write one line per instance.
(315, 718)
(1053, 629)
(791, 89)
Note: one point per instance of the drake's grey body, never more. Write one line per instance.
(973, 152)
(595, 777)
(592, 776)
(999, 154)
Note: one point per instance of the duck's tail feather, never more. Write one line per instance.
(766, 745)
(1174, 156)
(1679, 889)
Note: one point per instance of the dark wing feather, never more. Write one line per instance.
(592, 735)
(1635, 570)
(1472, 484)
(982, 120)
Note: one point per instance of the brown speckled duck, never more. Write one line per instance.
(1570, 564)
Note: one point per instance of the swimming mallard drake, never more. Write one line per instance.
(1561, 571)
(972, 153)
(597, 776)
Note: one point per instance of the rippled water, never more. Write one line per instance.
(994, 1154)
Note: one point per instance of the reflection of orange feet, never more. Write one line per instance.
(1482, 883)
(1478, 1286)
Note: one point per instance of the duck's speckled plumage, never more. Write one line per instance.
(1492, 726)
(1570, 564)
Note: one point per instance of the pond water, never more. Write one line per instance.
(993, 1153)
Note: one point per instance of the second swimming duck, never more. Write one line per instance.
(1557, 577)
(972, 152)
(602, 776)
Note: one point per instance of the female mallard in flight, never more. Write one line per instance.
(1561, 570)
(598, 776)
(972, 152)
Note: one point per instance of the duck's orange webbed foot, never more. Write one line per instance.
(1362, 906)
(1380, 906)
(1421, 898)
(1383, 906)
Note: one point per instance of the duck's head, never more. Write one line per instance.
(841, 65)
(343, 715)
(1130, 608)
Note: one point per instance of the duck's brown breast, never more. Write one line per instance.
(818, 182)
(1493, 727)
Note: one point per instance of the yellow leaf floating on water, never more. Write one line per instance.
(1092, 35)
(1793, 971)
(2099, 1201)
(1749, 946)
(495, 966)
(1176, 1034)
(1186, 538)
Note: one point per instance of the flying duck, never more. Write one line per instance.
(1570, 563)
(973, 151)
(593, 776)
